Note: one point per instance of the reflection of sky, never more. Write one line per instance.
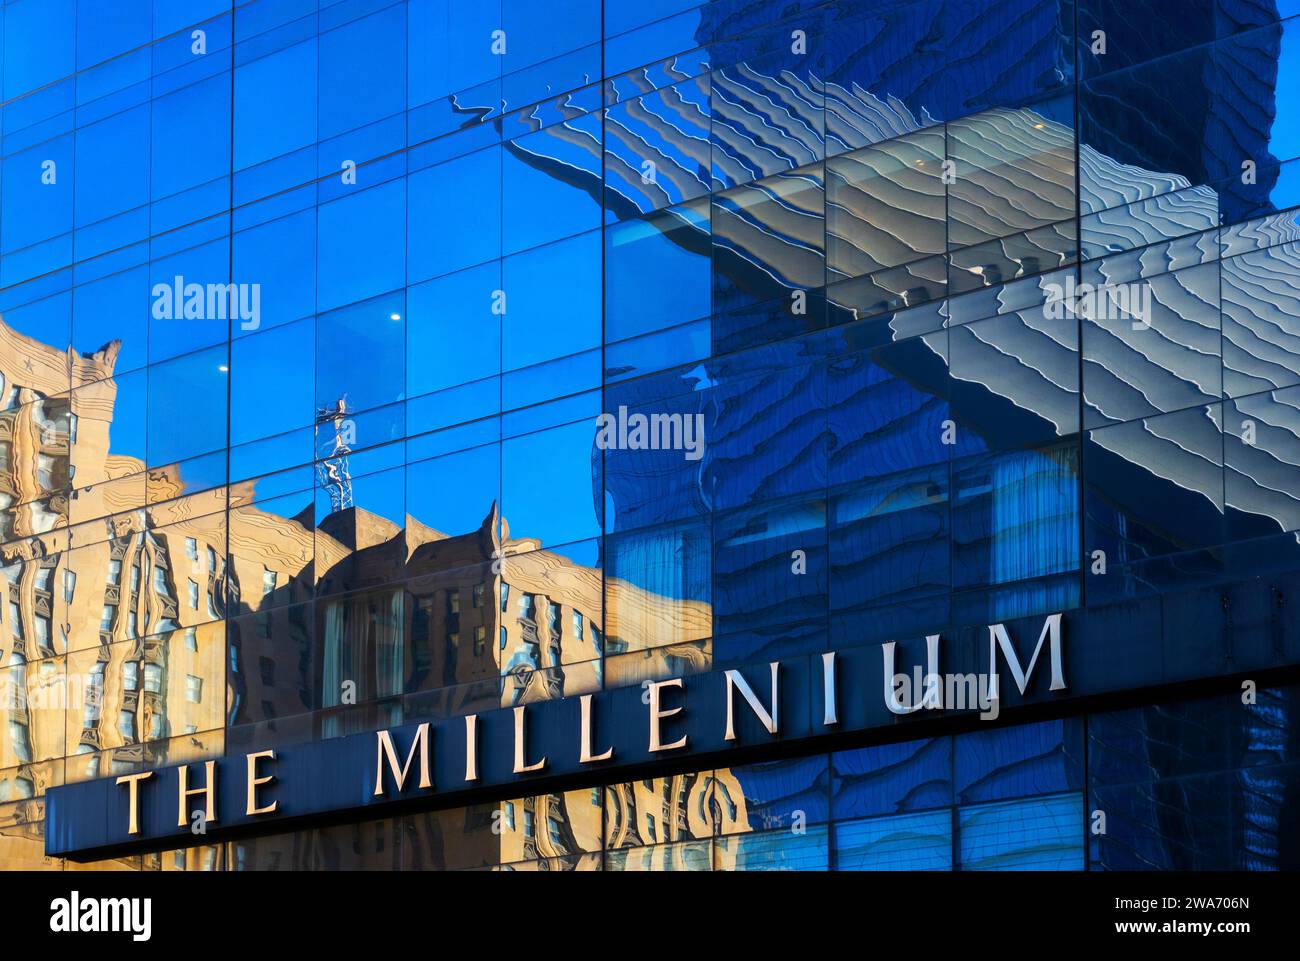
(453, 494)
(453, 337)
(544, 494)
(1285, 141)
(126, 434)
(655, 41)
(446, 339)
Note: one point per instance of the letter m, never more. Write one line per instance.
(117, 914)
(384, 751)
(1051, 633)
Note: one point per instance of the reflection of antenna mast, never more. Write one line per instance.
(333, 470)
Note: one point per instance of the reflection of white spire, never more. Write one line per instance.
(333, 471)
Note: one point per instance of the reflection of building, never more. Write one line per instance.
(914, 183)
(112, 642)
(114, 637)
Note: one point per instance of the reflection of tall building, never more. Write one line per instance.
(447, 630)
(111, 641)
(119, 581)
(914, 179)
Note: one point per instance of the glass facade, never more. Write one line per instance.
(364, 361)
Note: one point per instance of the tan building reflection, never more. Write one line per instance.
(118, 582)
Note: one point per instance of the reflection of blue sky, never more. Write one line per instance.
(539, 205)
(271, 382)
(187, 410)
(367, 243)
(547, 485)
(624, 15)
(361, 352)
(45, 320)
(644, 44)
(454, 337)
(652, 282)
(381, 494)
(1286, 192)
(1285, 141)
(453, 494)
(126, 434)
(556, 289)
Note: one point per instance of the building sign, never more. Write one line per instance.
(532, 748)
(725, 716)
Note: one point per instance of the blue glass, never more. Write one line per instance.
(456, 493)
(1043, 758)
(657, 271)
(191, 142)
(1043, 834)
(1142, 31)
(112, 156)
(756, 554)
(1000, 53)
(275, 100)
(889, 541)
(379, 42)
(768, 239)
(656, 147)
(114, 308)
(654, 41)
(361, 246)
(775, 851)
(554, 301)
(374, 330)
(536, 34)
(1168, 464)
(454, 335)
(622, 15)
(265, 398)
(538, 207)
(1015, 516)
(472, 211)
(832, 239)
(40, 45)
(999, 364)
(883, 54)
(782, 794)
(548, 478)
(882, 417)
(440, 60)
(908, 842)
(199, 382)
(1126, 376)
(768, 113)
(892, 778)
(278, 256)
(39, 190)
(1171, 825)
(670, 562)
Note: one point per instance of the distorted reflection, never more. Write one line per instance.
(834, 241)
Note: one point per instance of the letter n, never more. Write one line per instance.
(736, 682)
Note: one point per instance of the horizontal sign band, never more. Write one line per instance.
(527, 748)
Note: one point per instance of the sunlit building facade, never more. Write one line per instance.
(310, 311)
